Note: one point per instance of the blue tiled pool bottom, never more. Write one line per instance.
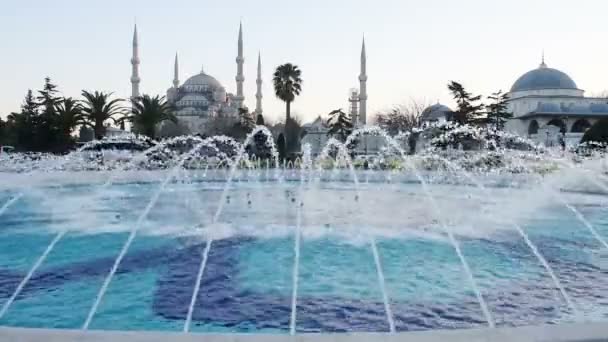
(248, 280)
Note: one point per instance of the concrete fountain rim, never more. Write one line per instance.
(574, 332)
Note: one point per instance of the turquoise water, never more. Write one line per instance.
(248, 280)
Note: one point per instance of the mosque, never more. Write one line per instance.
(202, 97)
(546, 103)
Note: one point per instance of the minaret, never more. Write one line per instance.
(240, 98)
(354, 106)
(176, 73)
(258, 94)
(135, 67)
(363, 87)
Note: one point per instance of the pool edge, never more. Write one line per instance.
(579, 332)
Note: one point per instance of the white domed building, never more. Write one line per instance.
(199, 99)
(202, 97)
(547, 103)
(436, 113)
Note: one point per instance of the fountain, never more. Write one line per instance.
(199, 236)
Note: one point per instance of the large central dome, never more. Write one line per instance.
(543, 78)
(203, 79)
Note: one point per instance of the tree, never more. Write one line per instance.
(293, 134)
(401, 118)
(597, 133)
(69, 116)
(147, 113)
(262, 150)
(23, 125)
(281, 148)
(246, 119)
(287, 85)
(497, 112)
(468, 111)
(243, 126)
(4, 133)
(47, 130)
(260, 120)
(98, 109)
(340, 125)
(47, 97)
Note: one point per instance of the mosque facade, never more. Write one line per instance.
(202, 98)
(547, 106)
(546, 103)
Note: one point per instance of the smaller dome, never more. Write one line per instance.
(203, 79)
(435, 112)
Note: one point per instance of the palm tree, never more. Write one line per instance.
(287, 85)
(148, 112)
(98, 108)
(70, 115)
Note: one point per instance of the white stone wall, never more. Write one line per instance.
(547, 92)
(522, 106)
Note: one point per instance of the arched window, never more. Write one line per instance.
(533, 127)
(580, 126)
(559, 123)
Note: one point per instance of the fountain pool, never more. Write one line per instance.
(294, 252)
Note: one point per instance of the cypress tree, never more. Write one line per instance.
(497, 111)
(468, 111)
(281, 146)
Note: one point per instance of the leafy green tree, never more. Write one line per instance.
(340, 125)
(98, 109)
(469, 111)
(147, 113)
(497, 112)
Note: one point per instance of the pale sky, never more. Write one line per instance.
(414, 47)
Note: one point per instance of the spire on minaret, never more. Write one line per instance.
(258, 94)
(542, 63)
(240, 78)
(135, 66)
(176, 73)
(363, 87)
